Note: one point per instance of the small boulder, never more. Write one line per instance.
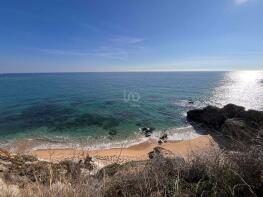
(160, 152)
(146, 131)
(160, 141)
(164, 137)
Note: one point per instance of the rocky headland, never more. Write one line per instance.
(231, 121)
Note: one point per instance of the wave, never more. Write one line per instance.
(174, 134)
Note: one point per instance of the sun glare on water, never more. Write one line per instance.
(242, 88)
(248, 76)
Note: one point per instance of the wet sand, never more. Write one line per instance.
(133, 153)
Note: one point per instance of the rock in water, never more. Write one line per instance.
(232, 121)
(210, 116)
(146, 131)
(190, 102)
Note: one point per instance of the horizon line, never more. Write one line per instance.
(128, 71)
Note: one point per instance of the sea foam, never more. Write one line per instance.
(174, 134)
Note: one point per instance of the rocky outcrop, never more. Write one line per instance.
(210, 116)
(232, 121)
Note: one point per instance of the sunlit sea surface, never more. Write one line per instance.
(108, 108)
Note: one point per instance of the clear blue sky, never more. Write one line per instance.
(130, 35)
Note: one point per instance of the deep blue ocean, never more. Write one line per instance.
(80, 106)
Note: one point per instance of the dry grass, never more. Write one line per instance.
(217, 173)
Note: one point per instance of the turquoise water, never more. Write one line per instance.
(90, 105)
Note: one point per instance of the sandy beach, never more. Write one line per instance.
(133, 153)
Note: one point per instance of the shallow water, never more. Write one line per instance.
(82, 106)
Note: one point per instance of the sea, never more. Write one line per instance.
(105, 110)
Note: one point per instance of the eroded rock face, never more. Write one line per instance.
(232, 121)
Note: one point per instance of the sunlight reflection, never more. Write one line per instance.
(242, 88)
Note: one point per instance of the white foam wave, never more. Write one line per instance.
(178, 134)
(92, 145)
(174, 134)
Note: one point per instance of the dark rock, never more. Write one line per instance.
(147, 134)
(232, 121)
(231, 110)
(146, 131)
(164, 137)
(88, 163)
(190, 102)
(254, 115)
(160, 152)
(143, 129)
(209, 116)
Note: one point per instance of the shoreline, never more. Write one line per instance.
(138, 152)
(28, 145)
(182, 142)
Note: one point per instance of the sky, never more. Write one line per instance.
(130, 35)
